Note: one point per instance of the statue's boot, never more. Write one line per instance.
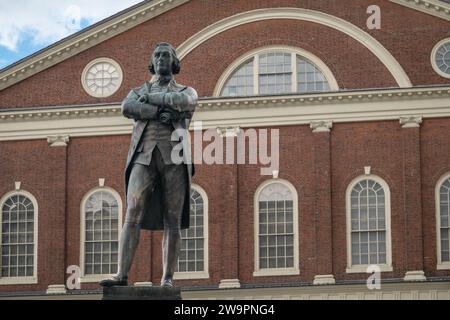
(171, 248)
(114, 281)
(129, 240)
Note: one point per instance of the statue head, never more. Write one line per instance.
(164, 60)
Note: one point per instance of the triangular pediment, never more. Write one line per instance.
(85, 39)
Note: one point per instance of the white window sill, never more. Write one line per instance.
(276, 272)
(363, 268)
(18, 280)
(443, 266)
(190, 275)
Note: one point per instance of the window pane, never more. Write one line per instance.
(17, 237)
(275, 73)
(101, 233)
(241, 82)
(277, 246)
(192, 259)
(309, 77)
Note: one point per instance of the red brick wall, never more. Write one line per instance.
(354, 146)
(41, 171)
(408, 34)
(60, 177)
(297, 167)
(435, 155)
(230, 191)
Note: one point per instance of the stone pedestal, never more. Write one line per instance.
(142, 293)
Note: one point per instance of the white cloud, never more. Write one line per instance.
(48, 21)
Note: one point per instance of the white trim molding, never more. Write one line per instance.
(58, 141)
(56, 289)
(205, 273)
(228, 132)
(295, 270)
(96, 277)
(362, 268)
(446, 264)
(325, 279)
(411, 121)
(86, 39)
(229, 284)
(294, 51)
(23, 280)
(87, 70)
(434, 7)
(334, 22)
(248, 112)
(143, 284)
(429, 290)
(433, 58)
(321, 126)
(417, 275)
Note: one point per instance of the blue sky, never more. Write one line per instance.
(26, 26)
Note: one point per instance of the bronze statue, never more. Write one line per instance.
(158, 171)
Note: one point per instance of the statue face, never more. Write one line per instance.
(162, 61)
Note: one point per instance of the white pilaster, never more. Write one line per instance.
(417, 275)
(229, 284)
(56, 289)
(321, 126)
(58, 141)
(325, 279)
(410, 121)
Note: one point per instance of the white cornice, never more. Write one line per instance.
(434, 7)
(85, 40)
(261, 111)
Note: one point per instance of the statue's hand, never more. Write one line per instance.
(143, 99)
(166, 115)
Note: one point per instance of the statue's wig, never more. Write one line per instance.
(176, 67)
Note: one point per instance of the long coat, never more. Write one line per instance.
(153, 206)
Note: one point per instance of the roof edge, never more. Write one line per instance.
(435, 8)
(85, 39)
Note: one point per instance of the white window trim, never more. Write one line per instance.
(276, 271)
(97, 277)
(200, 274)
(92, 63)
(34, 278)
(433, 58)
(387, 267)
(440, 265)
(284, 49)
(364, 268)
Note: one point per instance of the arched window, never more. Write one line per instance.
(276, 70)
(193, 259)
(368, 224)
(442, 221)
(18, 238)
(276, 229)
(101, 222)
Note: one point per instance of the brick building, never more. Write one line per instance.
(364, 138)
